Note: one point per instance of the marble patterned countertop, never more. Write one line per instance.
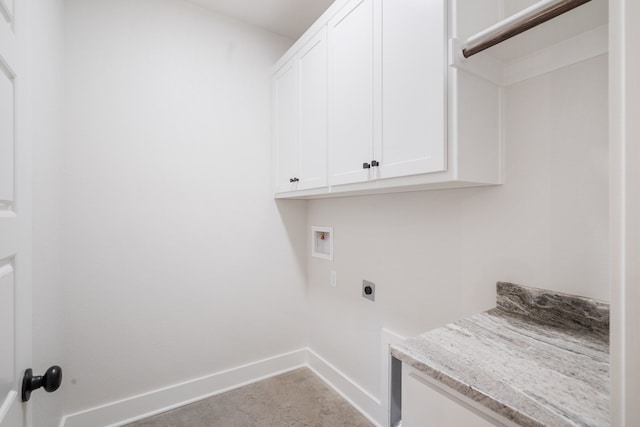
(540, 358)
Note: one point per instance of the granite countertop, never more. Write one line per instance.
(540, 358)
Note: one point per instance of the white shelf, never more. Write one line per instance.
(572, 37)
(569, 25)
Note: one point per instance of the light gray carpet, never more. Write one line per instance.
(295, 399)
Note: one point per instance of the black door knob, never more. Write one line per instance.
(375, 163)
(50, 381)
(366, 166)
(293, 180)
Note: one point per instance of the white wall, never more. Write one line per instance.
(46, 87)
(177, 261)
(436, 256)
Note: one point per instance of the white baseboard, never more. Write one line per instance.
(144, 405)
(154, 402)
(359, 398)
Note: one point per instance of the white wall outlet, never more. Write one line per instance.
(334, 278)
(369, 290)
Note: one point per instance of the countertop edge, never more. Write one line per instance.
(489, 402)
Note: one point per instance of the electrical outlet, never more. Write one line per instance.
(369, 290)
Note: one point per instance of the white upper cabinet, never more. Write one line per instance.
(312, 71)
(351, 92)
(286, 128)
(377, 96)
(414, 88)
(378, 107)
(300, 118)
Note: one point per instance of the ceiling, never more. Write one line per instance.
(289, 18)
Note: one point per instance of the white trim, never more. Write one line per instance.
(387, 338)
(576, 49)
(617, 101)
(6, 405)
(624, 178)
(6, 267)
(6, 11)
(358, 397)
(134, 408)
(319, 23)
(144, 405)
(6, 211)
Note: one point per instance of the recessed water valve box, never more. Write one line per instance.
(322, 242)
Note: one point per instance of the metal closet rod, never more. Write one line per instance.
(520, 22)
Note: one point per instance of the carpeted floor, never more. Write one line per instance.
(295, 399)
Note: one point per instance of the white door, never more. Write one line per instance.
(286, 128)
(15, 215)
(351, 92)
(312, 71)
(414, 61)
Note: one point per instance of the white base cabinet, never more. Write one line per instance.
(427, 404)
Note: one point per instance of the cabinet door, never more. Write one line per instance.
(425, 406)
(414, 86)
(312, 71)
(351, 96)
(286, 127)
